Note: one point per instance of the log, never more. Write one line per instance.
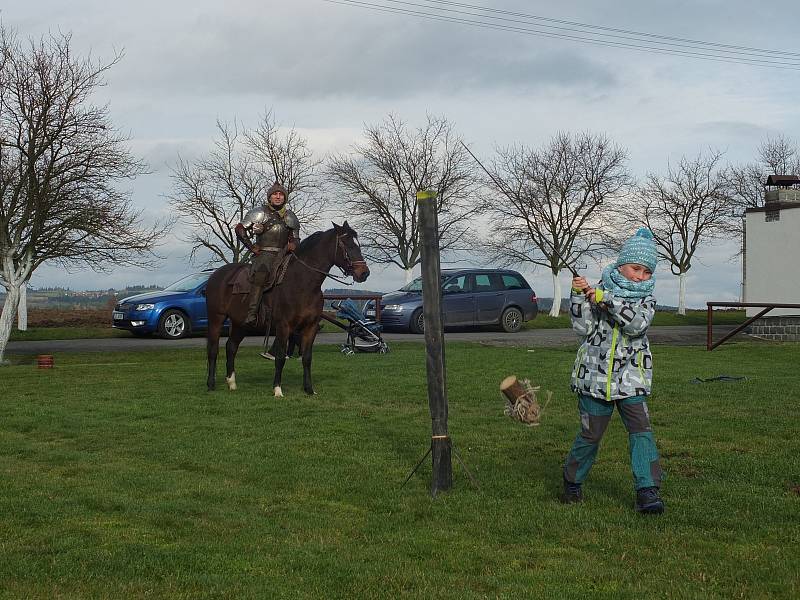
(512, 388)
(521, 400)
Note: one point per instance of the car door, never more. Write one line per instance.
(458, 304)
(489, 298)
(195, 305)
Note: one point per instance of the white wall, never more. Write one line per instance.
(772, 267)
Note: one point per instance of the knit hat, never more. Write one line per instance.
(639, 249)
(277, 187)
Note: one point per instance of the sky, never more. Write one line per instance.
(328, 69)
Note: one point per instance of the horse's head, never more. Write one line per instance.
(348, 253)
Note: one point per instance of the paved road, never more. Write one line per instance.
(533, 338)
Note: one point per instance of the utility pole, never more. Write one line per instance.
(441, 446)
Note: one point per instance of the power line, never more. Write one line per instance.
(746, 56)
(616, 30)
(634, 37)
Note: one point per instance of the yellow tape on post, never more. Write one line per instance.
(425, 195)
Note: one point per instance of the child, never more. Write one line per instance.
(614, 367)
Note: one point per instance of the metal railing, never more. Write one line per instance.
(767, 306)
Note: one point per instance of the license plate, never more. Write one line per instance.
(369, 313)
(117, 316)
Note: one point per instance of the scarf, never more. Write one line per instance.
(616, 283)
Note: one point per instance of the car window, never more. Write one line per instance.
(483, 282)
(514, 282)
(456, 285)
(416, 285)
(188, 283)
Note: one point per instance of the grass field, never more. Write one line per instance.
(123, 477)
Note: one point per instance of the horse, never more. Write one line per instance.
(295, 302)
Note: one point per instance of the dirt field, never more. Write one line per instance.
(48, 317)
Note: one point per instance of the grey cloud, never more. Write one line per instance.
(354, 57)
(735, 129)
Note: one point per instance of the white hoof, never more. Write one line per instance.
(278, 391)
(231, 381)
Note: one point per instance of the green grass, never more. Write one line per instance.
(662, 318)
(122, 477)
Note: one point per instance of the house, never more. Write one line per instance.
(771, 258)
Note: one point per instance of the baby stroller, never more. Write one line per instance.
(362, 335)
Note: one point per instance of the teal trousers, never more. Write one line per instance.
(595, 416)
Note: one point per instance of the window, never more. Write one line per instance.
(772, 215)
(513, 282)
(483, 283)
(456, 285)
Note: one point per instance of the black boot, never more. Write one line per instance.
(572, 494)
(252, 311)
(648, 501)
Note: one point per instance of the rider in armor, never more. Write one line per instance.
(277, 232)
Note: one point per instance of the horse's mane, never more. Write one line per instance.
(310, 241)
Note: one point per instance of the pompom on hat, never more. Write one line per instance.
(639, 249)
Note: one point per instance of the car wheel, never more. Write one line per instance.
(511, 321)
(417, 323)
(173, 325)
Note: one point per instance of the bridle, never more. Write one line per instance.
(349, 269)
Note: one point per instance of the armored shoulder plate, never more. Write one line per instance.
(254, 215)
(291, 220)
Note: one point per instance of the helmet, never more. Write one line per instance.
(277, 187)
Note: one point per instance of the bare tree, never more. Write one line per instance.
(688, 206)
(213, 193)
(776, 156)
(286, 157)
(379, 181)
(548, 201)
(60, 165)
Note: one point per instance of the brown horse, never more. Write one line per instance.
(295, 303)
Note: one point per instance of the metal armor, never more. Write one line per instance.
(277, 227)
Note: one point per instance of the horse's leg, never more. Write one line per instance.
(307, 345)
(235, 338)
(281, 335)
(215, 323)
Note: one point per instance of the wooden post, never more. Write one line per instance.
(442, 477)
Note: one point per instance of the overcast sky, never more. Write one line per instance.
(327, 69)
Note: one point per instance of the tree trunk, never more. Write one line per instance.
(555, 310)
(682, 294)
(409, 274)
(22, 308)
(7, 317)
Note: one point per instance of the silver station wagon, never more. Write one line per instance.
(470, 297)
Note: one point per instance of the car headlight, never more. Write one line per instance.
(144, 307)
(393, 308)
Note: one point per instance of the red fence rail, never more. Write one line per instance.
(767, 306)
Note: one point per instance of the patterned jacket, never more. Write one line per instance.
(614, 359)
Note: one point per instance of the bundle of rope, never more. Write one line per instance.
(521, 402)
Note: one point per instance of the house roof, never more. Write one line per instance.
(783, 180)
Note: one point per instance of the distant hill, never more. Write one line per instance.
(65, 298)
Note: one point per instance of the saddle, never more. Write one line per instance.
(241, 283)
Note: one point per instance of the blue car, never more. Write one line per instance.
(470, 297)
(173, 313)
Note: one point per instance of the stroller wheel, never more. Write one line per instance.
(384, 349)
